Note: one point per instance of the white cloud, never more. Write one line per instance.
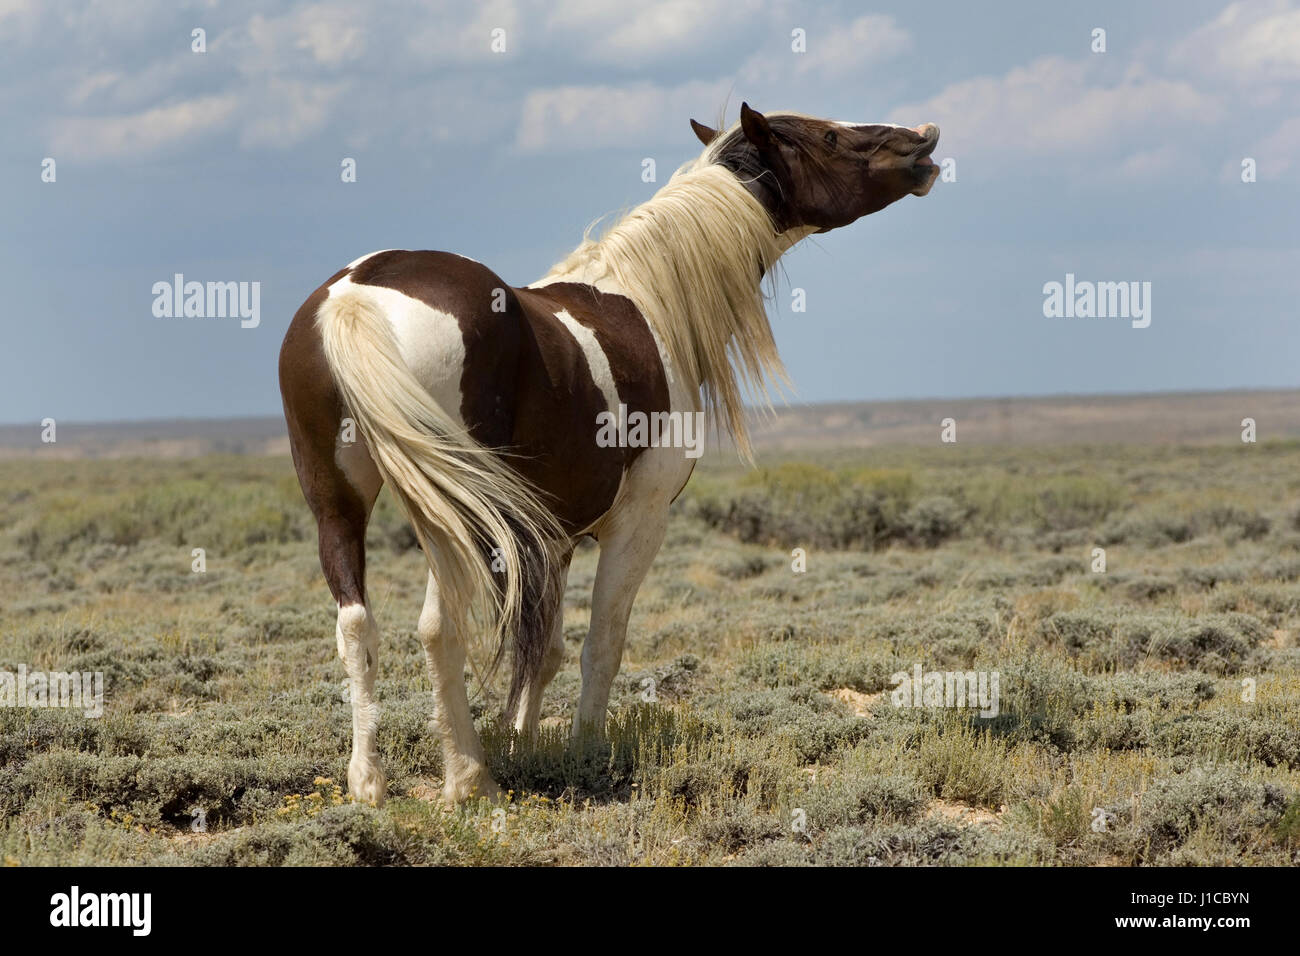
(865, 42)
(591, 117)
(1248, 43)
(134, 88)
(403, 76)
(443, 35)
(16, 8)
(287, 112)
(142, 133)
(1277, 153)
(19, 20)
(644, 32)
(1055, 106)
(91, 85)
(1149, 163)
(330, 34)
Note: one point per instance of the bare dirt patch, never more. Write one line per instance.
(861, 704)
(967, 816)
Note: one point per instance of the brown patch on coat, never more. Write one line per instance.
(526, 387)
(313, 412)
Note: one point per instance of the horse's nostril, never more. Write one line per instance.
(928, 130)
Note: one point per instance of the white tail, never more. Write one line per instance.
(470, 510)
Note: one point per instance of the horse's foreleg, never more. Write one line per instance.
(626, 553)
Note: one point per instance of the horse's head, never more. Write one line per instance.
(821, 174)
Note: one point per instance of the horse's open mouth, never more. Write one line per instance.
(923, 166)
(921, 155)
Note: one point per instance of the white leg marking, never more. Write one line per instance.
(358, 645)
(464, 767)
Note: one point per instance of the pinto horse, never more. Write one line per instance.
(479, 404)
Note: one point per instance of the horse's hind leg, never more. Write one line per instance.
(358, 644)
(465, 772)
(342, 530)
(341, 526)
(341, 484)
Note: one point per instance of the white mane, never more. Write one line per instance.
(691, 259)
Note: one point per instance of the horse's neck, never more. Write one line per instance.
(587, 267)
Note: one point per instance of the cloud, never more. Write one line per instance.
(287, 112)
(91, 85)
(650, 31)
(1059, 107)
(142, 133)
(840, 51)
(583, 74)
(329, 35)
(442, 36)
(1277, 153)
(131, 90)
(633, 116)
(1248, 43)
(310, 36)
(1149, 163)
(13, 9)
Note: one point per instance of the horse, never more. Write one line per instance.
(478, 403)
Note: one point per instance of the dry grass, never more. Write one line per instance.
(1123, 694)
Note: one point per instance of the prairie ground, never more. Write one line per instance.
(1148, 713)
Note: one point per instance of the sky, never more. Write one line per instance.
(500, 130)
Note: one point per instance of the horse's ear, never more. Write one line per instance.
(703, 133)
(756, 128)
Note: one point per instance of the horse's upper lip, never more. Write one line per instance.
(921, 155)
(930, 139)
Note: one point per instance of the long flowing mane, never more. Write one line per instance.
(691, 259)
(407, 337)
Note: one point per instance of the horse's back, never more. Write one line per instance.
(523, 369)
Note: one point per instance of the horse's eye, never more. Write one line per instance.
(831, 138)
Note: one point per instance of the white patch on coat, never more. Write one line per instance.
(431, 343)
(369, 255)
(429, 339)
(597, 361)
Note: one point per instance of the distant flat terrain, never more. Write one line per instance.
(1181, 418)
(1189, 417)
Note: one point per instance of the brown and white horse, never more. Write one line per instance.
(479, 404)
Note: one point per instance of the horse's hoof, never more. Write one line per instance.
(367, 784)
(478, 787)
